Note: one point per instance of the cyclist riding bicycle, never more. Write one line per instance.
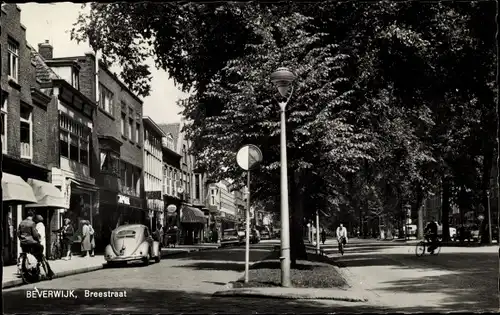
(30, 241)
(341, 234)
(431, 235)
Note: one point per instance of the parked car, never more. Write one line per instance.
(255, 237)
(132, 242)
(241, 236)
(453, 232)
(265, 235)
(230, 237)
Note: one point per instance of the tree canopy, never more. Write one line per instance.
(392, 101)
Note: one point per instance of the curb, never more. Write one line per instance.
(289, 296)
(19, 282)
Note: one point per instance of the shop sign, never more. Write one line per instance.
(125, 200)
(153, 194)
(155, 204)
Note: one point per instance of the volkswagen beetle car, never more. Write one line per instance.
(132, 242)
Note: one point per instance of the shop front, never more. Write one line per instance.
(24, 184)
(155, 206)
(193, 221)
(82, 201)
(19, 196)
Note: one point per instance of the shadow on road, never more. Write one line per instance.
(462, 281)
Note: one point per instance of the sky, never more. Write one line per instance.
(53, 22)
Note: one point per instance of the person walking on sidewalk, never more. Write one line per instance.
(67, 238)
(323, 236)
(86, 241)
(92, 239)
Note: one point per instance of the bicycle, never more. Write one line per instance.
(29, 267)
(341, 245)
(56, 249)
(421, 247)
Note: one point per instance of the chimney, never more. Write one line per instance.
(46, 50)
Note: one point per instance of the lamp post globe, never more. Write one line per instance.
(282, 78)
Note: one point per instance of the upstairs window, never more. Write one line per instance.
(75, 78)
(170, 142)
(123, 119)
(105, 99)
(13, 56)
(110, 163)
(4, 122)
(26, 131)
(137, 132)
(74, 140)
(130, 124)
(213, 194)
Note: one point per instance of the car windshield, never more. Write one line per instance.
(126, 234)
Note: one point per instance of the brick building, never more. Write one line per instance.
(71, 120)
(116, 156)
(25, 135)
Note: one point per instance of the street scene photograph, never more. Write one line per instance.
(250, 157)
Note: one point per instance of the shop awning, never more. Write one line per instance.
(192, 215)
(14, 188)
(47, 195)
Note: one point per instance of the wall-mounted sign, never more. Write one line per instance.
(125, 200)
(171, 208)
(180, 190)
(249, 157)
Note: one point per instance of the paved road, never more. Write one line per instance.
(175, 285)
(458, 279)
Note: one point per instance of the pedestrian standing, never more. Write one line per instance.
(92, 238)
(323, 236)
(86, 242)
(40, 228)
(68, 233)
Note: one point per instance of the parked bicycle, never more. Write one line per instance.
(56, 249)
(422, 246)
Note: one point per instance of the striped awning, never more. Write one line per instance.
(192, 215)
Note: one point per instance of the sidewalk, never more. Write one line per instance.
(77, 265)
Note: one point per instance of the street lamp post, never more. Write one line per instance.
(283, 79)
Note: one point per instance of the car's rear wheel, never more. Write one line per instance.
(147, 259)
(158, 258)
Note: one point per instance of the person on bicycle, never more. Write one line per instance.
(30, 241)
(341, 234)
(431, 235)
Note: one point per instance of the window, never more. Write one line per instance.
(26, 131)
(123, 173)
(13, 55)
(74, 139)
(137, 132)
(212, 197)
(197, 186)
(75, 80)
(64, 143)
(170, 142)
(130, 124)
(184, 153)
(105, 99)
(110, 163)
(4, 122)
(123, 119)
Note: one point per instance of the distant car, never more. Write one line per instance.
(132, 242)
(230, 237)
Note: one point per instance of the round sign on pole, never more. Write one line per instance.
(249, 156)
(171, 208)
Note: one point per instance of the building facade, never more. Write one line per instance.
(153, 171)
(183, 187)
(25, 135)
(116, 157)
(72, 122)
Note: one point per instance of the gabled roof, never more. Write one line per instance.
(43, 72)
(173, 129)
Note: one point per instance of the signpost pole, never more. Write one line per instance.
(247, 244)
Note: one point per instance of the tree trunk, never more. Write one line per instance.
(420, 212)
(487, 167)
(445, 210)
